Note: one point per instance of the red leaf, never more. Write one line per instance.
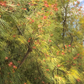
(47, 69)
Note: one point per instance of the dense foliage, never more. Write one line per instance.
(41, 42)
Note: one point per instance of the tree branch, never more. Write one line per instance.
(64, 24)
(28, 51)
(19, 30)
(71, 38)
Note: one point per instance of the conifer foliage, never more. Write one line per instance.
(41, 42)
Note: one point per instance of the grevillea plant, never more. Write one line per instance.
(39, 44)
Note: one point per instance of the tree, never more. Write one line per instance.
(39, 43)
